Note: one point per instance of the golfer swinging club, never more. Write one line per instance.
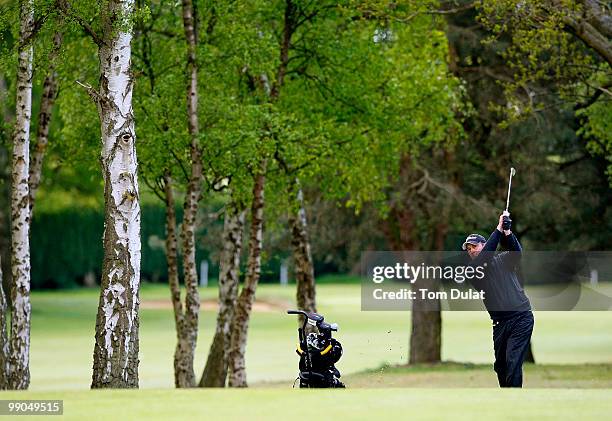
(504, 298)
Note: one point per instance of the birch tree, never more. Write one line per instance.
(169, 142)
(242, 313)
(115, 354)
(244, 304)
(4, 343)
(215, 371)
(302, 255)
(175, 155)
(14, 356)
(6, 133)
(273, 132)
(318, 85)
(184, 375)
(242, 163)
(19, 352)
(187, 322)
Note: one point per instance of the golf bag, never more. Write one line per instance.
(318, 353)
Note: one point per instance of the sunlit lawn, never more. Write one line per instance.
(573, 351)
(63, 323)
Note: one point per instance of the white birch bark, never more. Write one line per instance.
(4, 344)
(19, 373)
(116, 341)
(188, 335)
(5, 237)
(172, 252)
(182, 370)
(215, 371)
(302, 256)
(244, 304)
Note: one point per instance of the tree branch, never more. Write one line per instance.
(288, 29)
(67, 10)
(590, 36)
(599, 90)
(38, 23)
(600, 16)
(93, 94)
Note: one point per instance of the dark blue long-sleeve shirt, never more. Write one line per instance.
(503, 294)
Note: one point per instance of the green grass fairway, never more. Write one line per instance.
(63, 324)
(573, 351)
(462, 375)
(357, 404)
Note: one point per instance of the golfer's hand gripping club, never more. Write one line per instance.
(506, 221)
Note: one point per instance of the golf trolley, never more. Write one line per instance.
(318, 353)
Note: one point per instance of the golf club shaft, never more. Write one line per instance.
(512, 171)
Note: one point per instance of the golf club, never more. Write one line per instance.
(512, 173)
(507, 223)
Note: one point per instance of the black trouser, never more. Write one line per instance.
(511, 340)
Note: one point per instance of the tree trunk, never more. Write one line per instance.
(19, 359)
(172, 251)
(215, 372)
(425, 335)
(5, 169)
(4, 344)
(401, 231)
(242, 312)
(116, 341)
(188, 336)
(5, 112)
(181, 367)
(426, 326)
(304, 268)
(44, 120)
(426, 332)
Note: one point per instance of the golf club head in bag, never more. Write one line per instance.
(318, 353)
